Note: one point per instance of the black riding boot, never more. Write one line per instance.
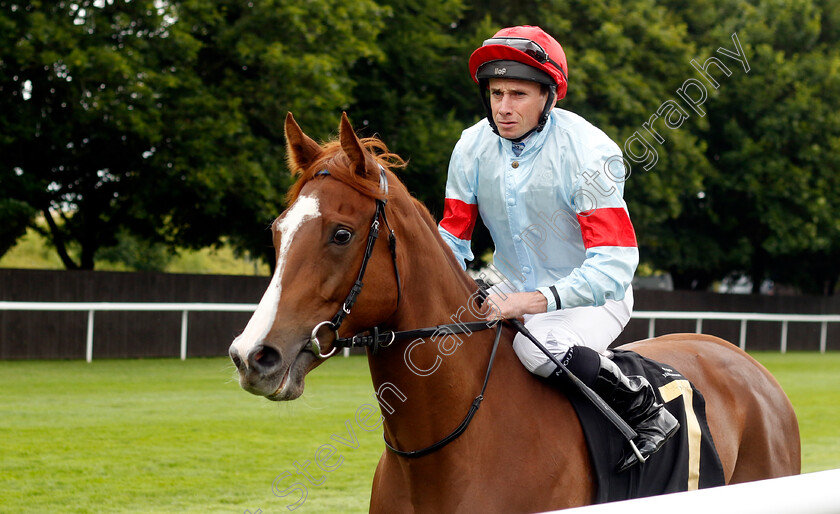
(631, 397)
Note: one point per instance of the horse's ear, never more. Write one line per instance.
(352, 146)
(301, 149)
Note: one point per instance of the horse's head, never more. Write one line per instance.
(320, 243)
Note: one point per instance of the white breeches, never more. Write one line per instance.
(594, 327)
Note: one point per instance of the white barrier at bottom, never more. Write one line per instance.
(811, 493)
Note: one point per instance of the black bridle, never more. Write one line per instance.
(376, 339)
(336, 321)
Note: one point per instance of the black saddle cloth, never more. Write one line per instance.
(687, 461)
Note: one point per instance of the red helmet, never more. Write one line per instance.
(527, 45)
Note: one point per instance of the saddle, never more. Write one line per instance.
(687, 461)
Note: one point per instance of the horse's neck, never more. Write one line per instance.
(435, 288)
(437, 291)
(426, 386)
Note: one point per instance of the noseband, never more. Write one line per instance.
(335, 323)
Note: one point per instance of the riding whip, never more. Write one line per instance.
(596, 400)
(599, 402)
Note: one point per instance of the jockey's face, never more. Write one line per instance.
(516, 105)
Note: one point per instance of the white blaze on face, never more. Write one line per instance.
(304, 209)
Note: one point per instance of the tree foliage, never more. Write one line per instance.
(163, 120)
(769, 202)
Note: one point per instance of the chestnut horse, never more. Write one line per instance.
(524, 450)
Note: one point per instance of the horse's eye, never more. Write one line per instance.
(342, 236)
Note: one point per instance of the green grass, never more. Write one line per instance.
(171, 436)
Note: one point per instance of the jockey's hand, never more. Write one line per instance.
(514, 305)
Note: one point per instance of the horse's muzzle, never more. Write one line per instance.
(264, 372)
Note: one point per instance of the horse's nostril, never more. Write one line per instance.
(234, 356)
(264, 358)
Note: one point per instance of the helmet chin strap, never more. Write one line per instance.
(549, 104)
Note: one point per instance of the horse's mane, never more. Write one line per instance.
(336, 161)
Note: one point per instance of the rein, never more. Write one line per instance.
(466, 422)
(376, 339)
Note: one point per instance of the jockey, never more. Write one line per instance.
(549, 187)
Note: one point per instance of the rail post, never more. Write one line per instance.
(89, 339)
(184, 315)
(784, 336)
(823, 335)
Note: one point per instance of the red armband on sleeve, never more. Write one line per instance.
(608, 226)
(459, 218)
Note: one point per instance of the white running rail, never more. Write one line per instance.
(743, 317)
(92, 307)
(186, 308)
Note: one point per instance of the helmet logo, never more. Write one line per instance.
(500, 71)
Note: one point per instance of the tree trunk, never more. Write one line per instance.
(758, 269)
(58, 241)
